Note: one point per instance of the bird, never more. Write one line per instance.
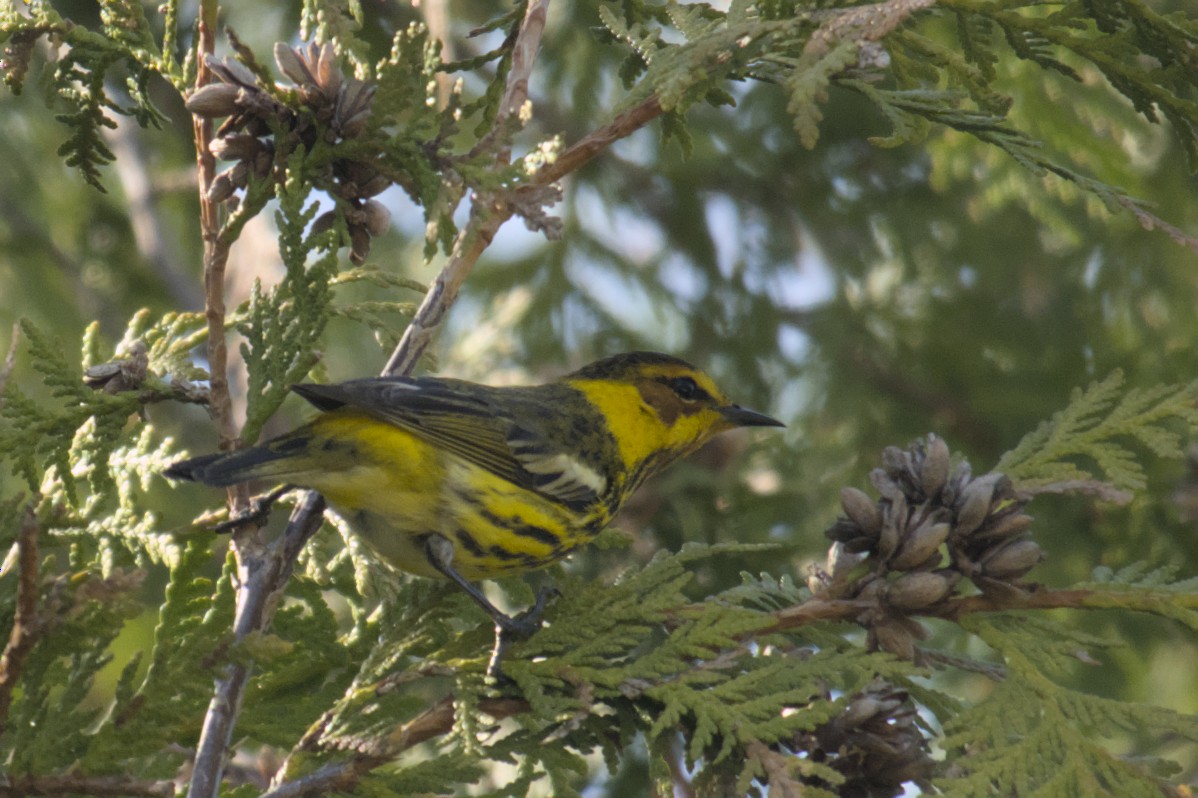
(446, 478)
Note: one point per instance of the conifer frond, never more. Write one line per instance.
(808, 51)
(378, 315)
(1113, 37)
(284, 325)
(50, 721)
(81, 427)
(80, 76)
(1034, 736)
(126, 530)
(634, 655)
(1154, 590)
(1096, 427)
(149, 712)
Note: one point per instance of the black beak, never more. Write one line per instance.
(743, 417)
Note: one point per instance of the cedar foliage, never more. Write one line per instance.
(371, 685)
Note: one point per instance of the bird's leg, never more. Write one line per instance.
(257, 514)
(508, 628)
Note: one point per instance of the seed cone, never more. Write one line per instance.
(933, 524)
(264, 123)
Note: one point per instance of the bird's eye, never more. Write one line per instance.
(686, 389)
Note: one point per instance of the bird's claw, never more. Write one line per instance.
(512, 628)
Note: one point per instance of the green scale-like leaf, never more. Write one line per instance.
(167, 705)
(1095, 425)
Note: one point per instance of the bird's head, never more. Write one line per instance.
(659, 406)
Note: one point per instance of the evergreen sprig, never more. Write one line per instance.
(81, 75)
(1154, 590)
(614, 659)
(286, 323)
(50, 722)
(1112, 35)
(808, 51)
(1097, 426)
(160, 706)
(1033, 735)
(81, 427)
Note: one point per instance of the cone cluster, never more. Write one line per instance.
(265, 123)
(875, 743)
(933, 525)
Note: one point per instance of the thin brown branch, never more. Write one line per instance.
(595, 142)
(487, 214)
(1150, 221)
(259, 594)
(816, 610)
(682, 783)
(216, 250)
(116, 786)
(435, 721)
(473, 239)
(525, 44)
(1077, 599)
(252, 566)
(25, 626)
(524, 56)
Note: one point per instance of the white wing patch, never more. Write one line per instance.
(569, 479)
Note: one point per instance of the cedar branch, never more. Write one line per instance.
(115, 786)
(229, 689)
(487, 214)
(438, 719)
(435, 721)
(817, 609)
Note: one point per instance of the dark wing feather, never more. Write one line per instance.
(469, 421)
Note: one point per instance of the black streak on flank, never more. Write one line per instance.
(518, 560)
(538, 534)
(468, 542)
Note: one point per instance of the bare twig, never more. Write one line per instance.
(257, 599)
(25, 626)
(216, 250)
(1150, 221)
(252, 566)
(487, 214)
(116, 786)
(595, 142)
(475, 237)
(515, 91)
(816, 610)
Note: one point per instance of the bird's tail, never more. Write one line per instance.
(278, 459)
